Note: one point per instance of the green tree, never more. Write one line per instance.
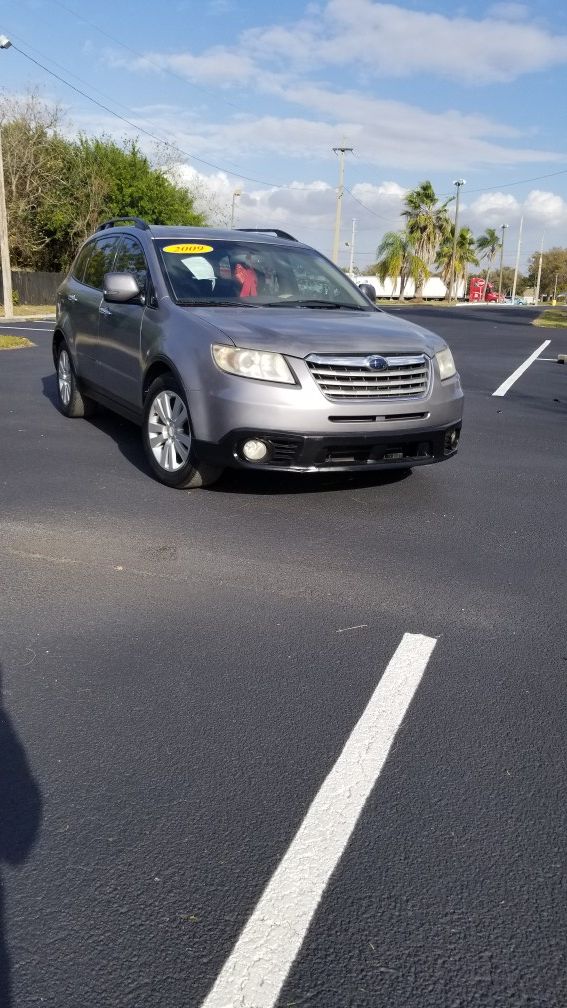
(59, 189)
(554, 265)
(397, 257)
(428, 225)
(465, 255)
(488, 245)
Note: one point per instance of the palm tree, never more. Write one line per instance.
(428, 223)
(465, 253)
(396, 257)
(488, 245)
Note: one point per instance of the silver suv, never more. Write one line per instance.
(247, 349)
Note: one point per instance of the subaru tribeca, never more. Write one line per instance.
(247, 349)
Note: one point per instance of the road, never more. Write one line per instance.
(186, 676)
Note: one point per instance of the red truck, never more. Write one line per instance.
(480, 290)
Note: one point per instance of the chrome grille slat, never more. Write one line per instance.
(394, 373)
(363, 380)
(350, 377)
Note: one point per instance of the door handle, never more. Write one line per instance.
(72, 297)
(104, 311)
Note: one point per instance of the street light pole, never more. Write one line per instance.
(536, 299)
(517, 266)
(352, 247)
(341, 151)
(4, 245)
(237, 192)
(503, 228)
(458, 183)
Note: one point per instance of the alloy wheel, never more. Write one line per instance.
(168, 431)
(64, 377)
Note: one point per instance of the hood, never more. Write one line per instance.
(299, 332)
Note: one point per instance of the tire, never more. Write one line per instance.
(70, 399)
(168, 438)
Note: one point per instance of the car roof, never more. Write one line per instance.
(220, 234)
(201, 234)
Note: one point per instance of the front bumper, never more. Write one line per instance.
(342, 452)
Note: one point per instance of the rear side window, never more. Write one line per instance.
(131, 259)
(101, 261)
(78, 267)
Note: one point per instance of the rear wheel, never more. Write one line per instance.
(168, 439)
(71, 400)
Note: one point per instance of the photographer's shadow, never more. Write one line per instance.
(20, 818)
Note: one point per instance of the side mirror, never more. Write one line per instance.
(120, 287)
(369, 290)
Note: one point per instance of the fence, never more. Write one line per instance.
(34, 288)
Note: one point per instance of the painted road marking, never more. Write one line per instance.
(502, 389)
(255, 972)
(24, 327)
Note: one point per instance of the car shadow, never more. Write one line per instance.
(263, 484)
(126, 436)
(20, 820)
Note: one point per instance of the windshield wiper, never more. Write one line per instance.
(330, 305)
(216, 303)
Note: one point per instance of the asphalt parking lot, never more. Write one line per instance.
(188, 677)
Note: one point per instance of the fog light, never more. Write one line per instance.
(452, 439)
(255, 450)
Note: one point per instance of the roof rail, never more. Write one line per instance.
(117, 221)
(275, 231)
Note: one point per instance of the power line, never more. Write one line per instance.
(148, 133)
(389, 220)
(147, 59)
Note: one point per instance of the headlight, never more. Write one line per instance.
(253, 364)
(446, 364)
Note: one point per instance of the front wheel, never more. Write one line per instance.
(168, 439)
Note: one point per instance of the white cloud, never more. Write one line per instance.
(307, 211)
(391, 41)
(509, 11)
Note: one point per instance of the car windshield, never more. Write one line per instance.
(261, 274)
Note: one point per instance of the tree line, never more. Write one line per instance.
(60, 187)
(426, 243)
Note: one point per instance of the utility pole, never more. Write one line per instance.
(341, 151)
(458, 183)
(555, 289)
(503, 228)
(536, 299)
(517, 260)
(351, 268)
(4, 246)
(236, 193)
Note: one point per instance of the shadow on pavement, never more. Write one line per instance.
(488, 316)
(264, 484)
(127, 437)
(20, 818)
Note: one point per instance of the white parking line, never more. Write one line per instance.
(503, 388)
(255, 972)
(11, 328)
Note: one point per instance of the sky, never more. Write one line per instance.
(252, 98)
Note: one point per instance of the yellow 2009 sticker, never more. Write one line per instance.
(188, 249)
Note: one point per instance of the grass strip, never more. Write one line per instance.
(8, 342)
(552, 318)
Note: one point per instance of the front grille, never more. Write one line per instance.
(341, 378)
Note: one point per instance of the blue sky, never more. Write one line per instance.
(264, 92)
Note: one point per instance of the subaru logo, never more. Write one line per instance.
(377, 363)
